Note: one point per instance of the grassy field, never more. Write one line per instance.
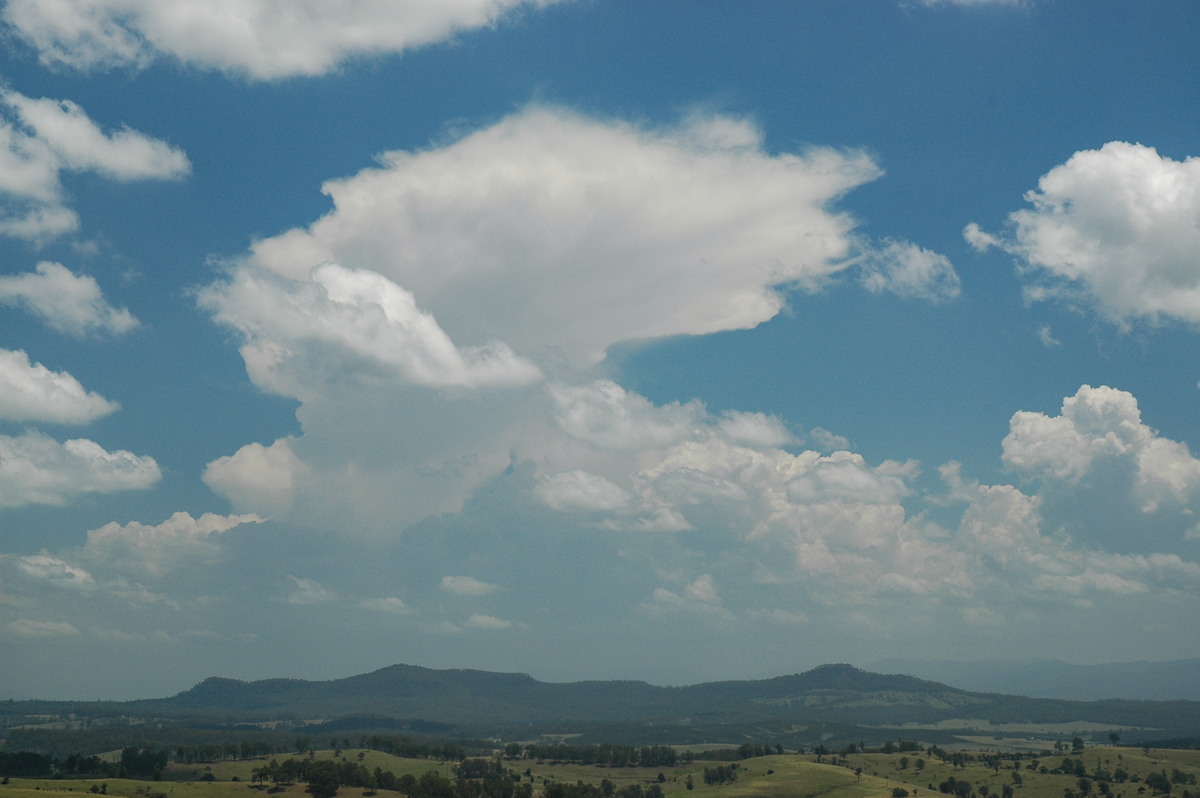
(869, 775)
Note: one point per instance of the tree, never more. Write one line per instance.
(1113, 737)
(1077, 745)
(323, 781)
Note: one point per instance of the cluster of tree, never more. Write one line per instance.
(750, 750)
(953, 786)
(720, 774)
(648, 756)
(414, 749)
(135, 763)
(606, 790)
(187, 745)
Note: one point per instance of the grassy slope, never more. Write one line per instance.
(787, 776)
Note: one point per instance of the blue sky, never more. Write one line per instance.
(594, 339)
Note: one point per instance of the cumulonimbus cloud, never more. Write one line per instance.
(558, 233)
(260, 39)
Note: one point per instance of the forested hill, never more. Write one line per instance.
(830, 693)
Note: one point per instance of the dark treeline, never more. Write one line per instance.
(605, 790)
(602, 754)
(487, 779)
(135, 763)
(212, 745)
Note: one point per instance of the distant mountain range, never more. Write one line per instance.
(1147, 681)
(831, 693)
(823, 705)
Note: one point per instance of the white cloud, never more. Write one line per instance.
(67, 302)
(55, 571)
(1101, 424)
(1117, 228)
(307, 591)
(261, 39)
(41, 138)
(352, 321)
(579, 490)
(909, 271)
(256, 479)
(1046, 336)
(32, 392)
(35, 469)
(467, 586)
(557, 233)
(827, 441)
(1103, 472)
(389, 604)
(757, 430)
(159, 549)
(606, 416)
(699, 597)
(479, 621)
(81, 145)
(41, 629)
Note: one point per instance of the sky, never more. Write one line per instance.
(594, 339)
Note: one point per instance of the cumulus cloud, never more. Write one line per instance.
(467, 586)
(1116, 228)
(579, 490)
(155, 550)
(389, 604)
(488, 622)
(1102, 469)
(41, 138)
(307, 591)
(350, 320)
(35, 469)
(699, 597)
(909, 271)
(260, 39)
(256, 479)
(55, 571)
(32, 392)
(68, 302)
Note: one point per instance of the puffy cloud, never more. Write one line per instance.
(257, 479)
(557, 233)
(489, 623)
(261, 39)
(1118, 228)
(1103, 470)
(467, 586)
(32, 392)
(1098, 424)
(349, 321)
(40, 138)
(606, 416)
(307, 591)
(35, 469)
(908, 271)
(55, 571)
(579, 490)
(67, 302)
(159, 549)
(699, 597)
(389, 604)
(81, 145)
